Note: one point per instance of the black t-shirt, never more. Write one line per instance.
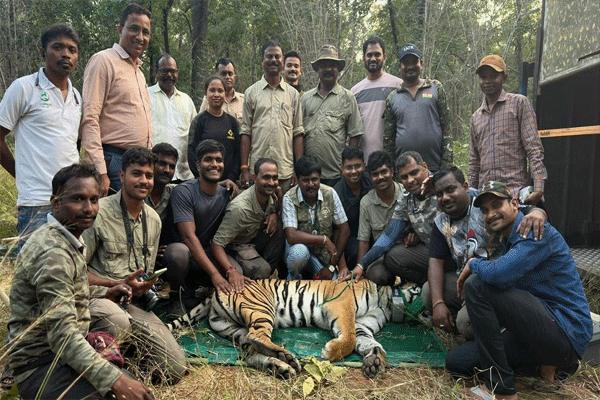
(223, 129)
(351, 203)
(191, 204)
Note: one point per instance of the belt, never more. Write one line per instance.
(113, 149)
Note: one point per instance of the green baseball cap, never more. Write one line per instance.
(496, 188)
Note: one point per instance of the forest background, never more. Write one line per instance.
(452, 34)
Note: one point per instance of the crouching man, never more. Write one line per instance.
(315, 225)
(121, 245)
(250, 232)
(533, 290)
(49, 303)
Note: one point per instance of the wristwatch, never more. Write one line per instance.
(332, 269)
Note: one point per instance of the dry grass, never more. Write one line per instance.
(217, 382)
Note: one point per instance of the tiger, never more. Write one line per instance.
(353, 311)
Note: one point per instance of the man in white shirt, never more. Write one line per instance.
(172, 113)
(43, 111)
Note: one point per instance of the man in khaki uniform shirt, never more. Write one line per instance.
(272, 120)
(377, 207)
(249, 231)
(112, 260)
(331, 116)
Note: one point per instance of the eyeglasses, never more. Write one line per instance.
(166, 71)
(137, 29)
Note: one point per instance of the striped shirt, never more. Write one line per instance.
(503, 139)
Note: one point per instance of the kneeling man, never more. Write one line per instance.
(249, 231)
(533, 290)
(49, 302)
(315, 225)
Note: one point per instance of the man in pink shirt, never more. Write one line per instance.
(116, 104)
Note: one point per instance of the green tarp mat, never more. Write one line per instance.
(404, 343)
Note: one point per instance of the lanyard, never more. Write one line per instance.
(37, 83)
(130, 239)
(314, 222)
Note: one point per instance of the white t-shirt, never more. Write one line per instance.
(46, 131)
(171, 119)
(371, 96)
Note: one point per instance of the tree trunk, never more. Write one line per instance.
(199, 29)
(166, 10)
(519, 48)
(392, 12)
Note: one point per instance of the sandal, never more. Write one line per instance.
(7, 380)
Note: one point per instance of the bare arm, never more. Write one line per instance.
(235, 279)
(245, 143)
(188, 234)
(353, 141)
(363, 248)
(138, 288)
(6, 158)
(435, 276)
(298, 147)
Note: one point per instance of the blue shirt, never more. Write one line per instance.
(546, 269)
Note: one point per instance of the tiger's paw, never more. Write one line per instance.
(281, 369)
(374, 363)
(290, 359)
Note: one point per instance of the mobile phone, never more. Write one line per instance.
(155, 274)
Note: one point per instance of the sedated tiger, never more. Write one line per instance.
(354, 313)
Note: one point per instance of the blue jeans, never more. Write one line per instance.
(300, 261)
(30, 218)
(113, 161)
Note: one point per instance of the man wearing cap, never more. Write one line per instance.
(504, 136)
(417, 116)
(371, 93)
(331, 116)
(458, 234)
(533, 290)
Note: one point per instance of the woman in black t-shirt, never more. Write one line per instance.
(214, 123)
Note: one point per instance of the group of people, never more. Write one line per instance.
(329, 183)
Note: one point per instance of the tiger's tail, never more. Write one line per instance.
(191, 317)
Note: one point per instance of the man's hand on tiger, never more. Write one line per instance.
(221, 284)
(237, 280)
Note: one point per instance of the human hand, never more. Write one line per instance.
(120, 294)
(325, 274)
(411, 239)
(104, 185)
(427, 187)
(533, 221)
(534, 198)
(330, 246)
(271, 224)
(231, 187)
(343, 274)
(357, 272)
(221, 284)
(139, 288)
(245, 178)
(126, 388)
(237, 280)
(442, 318)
